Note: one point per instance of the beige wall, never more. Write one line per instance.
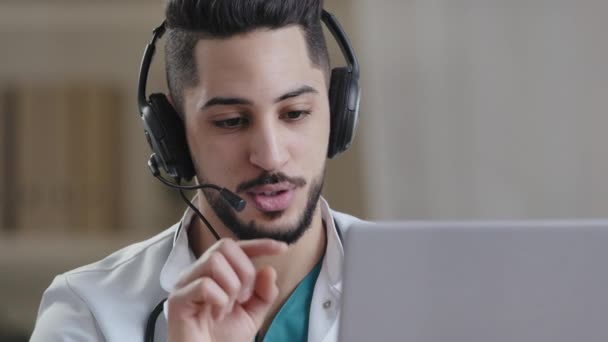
(484, 109)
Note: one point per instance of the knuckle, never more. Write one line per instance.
(214, 261)
(249, 271)
(203, 287)
(226, 244)
(233, 287)
(219, 270)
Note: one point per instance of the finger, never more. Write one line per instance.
(217, 268)
(239, 256)
(250, 249)
(266, 292)
(222, 272)
(262, 247)
(213, 265)
(203, 266)
(189, 300)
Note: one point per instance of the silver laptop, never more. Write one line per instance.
(530, 281)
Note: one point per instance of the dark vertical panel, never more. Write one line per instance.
(7, 144)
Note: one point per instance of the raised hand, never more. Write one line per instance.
(222, 297)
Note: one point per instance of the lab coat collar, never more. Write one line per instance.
(181, 255)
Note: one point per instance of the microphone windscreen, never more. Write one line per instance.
(235, 201)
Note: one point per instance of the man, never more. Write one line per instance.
(250, 80)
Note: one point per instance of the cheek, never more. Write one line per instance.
(322, 134)
(221, 154)
(313, 143)
(214, 158)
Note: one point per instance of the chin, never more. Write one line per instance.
(277, 218)
(286, 225)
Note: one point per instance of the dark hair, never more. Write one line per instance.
(188, 21)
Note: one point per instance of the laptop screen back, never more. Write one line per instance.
(536, 281)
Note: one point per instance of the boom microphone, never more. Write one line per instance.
(236, 202)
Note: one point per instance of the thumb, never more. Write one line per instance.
(264, 294)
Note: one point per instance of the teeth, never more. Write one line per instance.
(269, 193)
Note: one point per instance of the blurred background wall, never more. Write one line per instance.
(470, 110)
(484, 109)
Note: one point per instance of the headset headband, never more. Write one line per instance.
(330, 21)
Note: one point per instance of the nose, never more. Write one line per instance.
(268, 147)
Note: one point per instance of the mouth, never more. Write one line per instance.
(272, 197)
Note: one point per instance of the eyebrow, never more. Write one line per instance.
(226, 101)
(294, 93)
(231, 101)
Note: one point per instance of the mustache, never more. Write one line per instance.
(270, 178)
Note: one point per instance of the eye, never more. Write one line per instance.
(295, 115)
(231, 123)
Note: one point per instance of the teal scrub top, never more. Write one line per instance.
(291, 322)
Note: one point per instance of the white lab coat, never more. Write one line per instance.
(111, 300)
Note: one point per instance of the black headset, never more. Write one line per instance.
(164, 129)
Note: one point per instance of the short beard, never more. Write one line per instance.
(251, 230)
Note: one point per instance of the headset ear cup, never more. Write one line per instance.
(167, 137)
(344, 107)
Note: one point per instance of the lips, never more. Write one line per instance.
(272, 197)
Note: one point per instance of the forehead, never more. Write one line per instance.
(264, 61)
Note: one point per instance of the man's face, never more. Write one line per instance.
(258, 124)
